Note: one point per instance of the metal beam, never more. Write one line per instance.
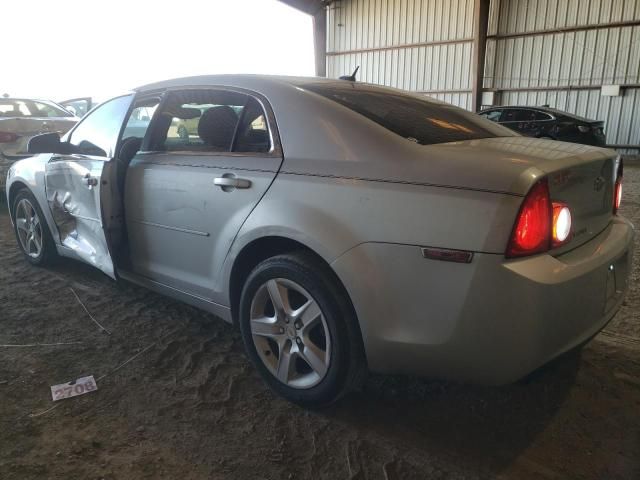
(480, 25)
(582, 28)
(546, 88)
(320, 42)
(401, 46)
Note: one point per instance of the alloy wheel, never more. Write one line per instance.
(290, 333)
(29, 228)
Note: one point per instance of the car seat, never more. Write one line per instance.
(217, 126)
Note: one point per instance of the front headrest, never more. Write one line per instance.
(217, 126)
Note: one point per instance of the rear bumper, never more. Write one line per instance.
(491, 321)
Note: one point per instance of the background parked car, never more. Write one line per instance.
(21, 119)
(545, 122)
(79, 106)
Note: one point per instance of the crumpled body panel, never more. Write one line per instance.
(73, 195)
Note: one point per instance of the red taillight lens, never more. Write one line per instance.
(8, 137)
(532, 230)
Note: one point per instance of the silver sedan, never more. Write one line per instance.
(343, 227)
(20, 120)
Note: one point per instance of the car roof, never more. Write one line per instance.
(238, 80)
(24, 99)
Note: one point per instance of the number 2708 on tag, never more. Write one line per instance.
(73, 389)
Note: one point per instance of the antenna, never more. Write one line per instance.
(352, 77)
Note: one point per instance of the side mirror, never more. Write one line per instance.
(45, 143)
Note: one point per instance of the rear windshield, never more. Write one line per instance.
(423, 121)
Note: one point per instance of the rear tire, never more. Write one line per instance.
(31, 230)
(300, 331)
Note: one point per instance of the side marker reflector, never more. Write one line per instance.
(457, 256)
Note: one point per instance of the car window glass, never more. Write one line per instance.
(542, 116)
(519, 115)
(510, 115)
(97, 133)
(78, 107)
(420, 120)
(140, 118)
(46, 110)
(493, 115)
(201, 120)
(253, 133)
(14, 108)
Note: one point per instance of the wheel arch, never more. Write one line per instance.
(266, 247)
(252, 254)
(13, 192)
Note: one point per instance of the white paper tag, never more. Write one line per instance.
(73, 389)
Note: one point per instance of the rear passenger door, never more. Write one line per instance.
(208, 159)
(519, 119)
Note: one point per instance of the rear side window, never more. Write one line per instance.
(518, 115)
(420, 120)
(212, 121)
(543, 116)
(253, 133)
(493, 115)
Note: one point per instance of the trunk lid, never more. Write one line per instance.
(587, 187)
(581, 176)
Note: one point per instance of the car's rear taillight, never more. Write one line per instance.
(8, 137)
(541, 224)
(532, 230)
(561, 225)
(617, 191)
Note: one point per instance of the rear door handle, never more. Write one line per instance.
(230, 182)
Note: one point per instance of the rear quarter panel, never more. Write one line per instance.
(334, 215)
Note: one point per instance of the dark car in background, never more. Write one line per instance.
(545, 122)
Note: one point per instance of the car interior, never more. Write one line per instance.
(202, 121)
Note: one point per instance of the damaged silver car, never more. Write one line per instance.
(344, 227)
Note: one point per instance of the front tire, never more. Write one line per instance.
(32, 232)
(300, 331)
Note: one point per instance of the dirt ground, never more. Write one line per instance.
(190, 406)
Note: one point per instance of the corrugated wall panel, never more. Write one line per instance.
(365, 24)
(426, 68)
(593, 57)
(547, 58)
(521, 16)
(390, 41)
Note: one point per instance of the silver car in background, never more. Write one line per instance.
(23, 118)
(344, 227)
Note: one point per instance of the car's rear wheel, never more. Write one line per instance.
(299, 330)
(32, 233)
